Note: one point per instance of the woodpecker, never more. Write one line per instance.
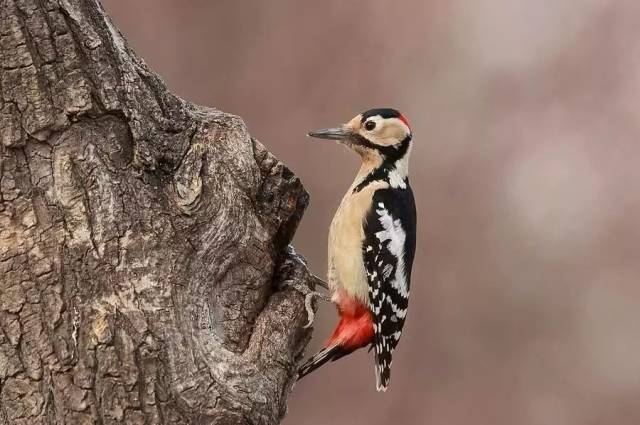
(372, 242)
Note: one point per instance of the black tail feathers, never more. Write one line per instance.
(323, 356)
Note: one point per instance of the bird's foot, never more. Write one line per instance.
(293, 273)
(308, 299)
(309, 296)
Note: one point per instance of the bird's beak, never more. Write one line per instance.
(338, 133)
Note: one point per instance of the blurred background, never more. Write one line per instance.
(525, 296)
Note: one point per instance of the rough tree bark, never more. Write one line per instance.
(143, 239)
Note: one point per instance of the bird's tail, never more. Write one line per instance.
(383, 373)
(330, 353)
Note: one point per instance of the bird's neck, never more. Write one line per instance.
(376, 168)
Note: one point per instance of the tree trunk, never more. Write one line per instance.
(143, 240)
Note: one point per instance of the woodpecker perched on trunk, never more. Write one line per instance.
(371, 242)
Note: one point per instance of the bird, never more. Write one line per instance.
(372, 240)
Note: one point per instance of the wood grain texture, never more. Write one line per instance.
(143, 239)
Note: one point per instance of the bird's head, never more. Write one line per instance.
(379, 133)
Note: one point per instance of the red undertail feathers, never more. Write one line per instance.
(354, 330)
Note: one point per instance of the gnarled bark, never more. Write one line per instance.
(143, 239)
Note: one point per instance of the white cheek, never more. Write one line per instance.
(390, 135)
(396, 129)
(388, 132)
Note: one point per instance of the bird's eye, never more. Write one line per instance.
(370, 125)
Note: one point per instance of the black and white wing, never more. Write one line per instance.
(389, 247)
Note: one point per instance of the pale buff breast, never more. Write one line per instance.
(346, 266)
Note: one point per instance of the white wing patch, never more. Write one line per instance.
(388, 281)
(394, 233)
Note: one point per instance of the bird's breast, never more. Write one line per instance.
(345, 244)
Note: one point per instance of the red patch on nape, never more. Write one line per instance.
(355, 328)
(404, 120)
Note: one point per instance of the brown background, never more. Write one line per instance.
(525, 296)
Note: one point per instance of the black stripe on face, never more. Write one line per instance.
(391, 153)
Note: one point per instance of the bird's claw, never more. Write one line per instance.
(309, 295)
(308, 299)
(319, 282)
